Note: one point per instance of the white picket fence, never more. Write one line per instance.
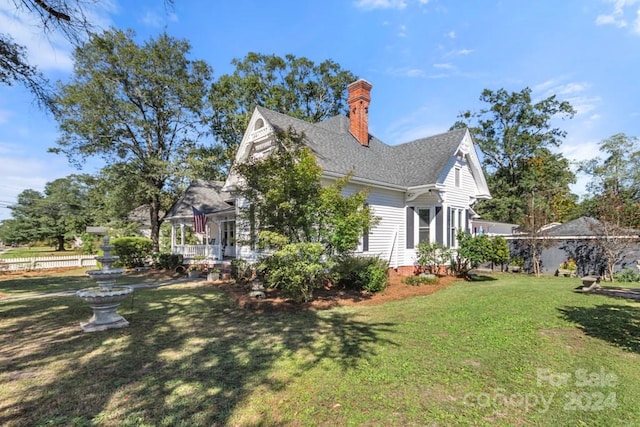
(16, 264)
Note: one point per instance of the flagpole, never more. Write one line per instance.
(206, 236)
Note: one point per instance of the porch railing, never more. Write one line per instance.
(193, 251)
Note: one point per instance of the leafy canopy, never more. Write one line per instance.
(62, 212)
(140, 108)
(615, 181)
(516, 137)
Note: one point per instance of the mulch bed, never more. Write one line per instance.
(328, 296)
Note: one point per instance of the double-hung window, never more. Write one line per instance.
(424, 225)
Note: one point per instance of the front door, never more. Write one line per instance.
(228, 238)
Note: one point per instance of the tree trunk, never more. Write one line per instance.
(536, 263)
(154, 219)
(60, 241)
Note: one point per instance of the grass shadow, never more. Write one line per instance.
(481, 278)
(616, 324)
(190, 357)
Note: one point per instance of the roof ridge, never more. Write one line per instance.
(452, 131)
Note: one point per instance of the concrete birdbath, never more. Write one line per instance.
(105, 298)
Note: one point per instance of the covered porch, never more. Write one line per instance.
(213, 239)
(216, 243)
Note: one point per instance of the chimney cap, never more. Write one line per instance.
(360, 82)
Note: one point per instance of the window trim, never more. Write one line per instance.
(430, 227)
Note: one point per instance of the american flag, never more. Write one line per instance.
(199, 220)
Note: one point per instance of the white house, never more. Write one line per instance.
(422, 190)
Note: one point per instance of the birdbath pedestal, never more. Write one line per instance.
(105, 298)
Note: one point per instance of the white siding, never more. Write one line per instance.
(386, 239)
(460, 197)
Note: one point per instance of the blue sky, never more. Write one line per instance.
(428, 60)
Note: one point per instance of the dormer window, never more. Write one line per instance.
(457, 177)
(259, 124)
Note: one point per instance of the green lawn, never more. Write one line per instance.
(34, 252)
(512, 351)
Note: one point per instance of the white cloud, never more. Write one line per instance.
(459, 52)
(445, 66)
(610, 19)
(381, 4)
(403, 31)
(413, 73)
(584, 104)
(573, 92)
(152, 19)
(49, 51)
(22, 173)
(406, 72)
(451, 34)
(571, 88)
(412, 127)
(577, 149)
(156, 20)
(619, 15)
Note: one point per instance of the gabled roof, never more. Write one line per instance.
(416, 163)
(583, 226)
(206, 196)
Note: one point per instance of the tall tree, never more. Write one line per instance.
(515, 135)
(60, 213)
(140, 109)
(291, 85)
(614, 197)
(615, 181)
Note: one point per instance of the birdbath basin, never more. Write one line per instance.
(105, 298)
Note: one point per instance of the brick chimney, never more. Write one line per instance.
(359, 98)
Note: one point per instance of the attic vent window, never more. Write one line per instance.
(259, 124)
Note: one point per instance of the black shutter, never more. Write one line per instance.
(448, 231)
(439, 237)
(410, 218)
(468, 220)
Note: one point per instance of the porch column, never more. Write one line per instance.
(207, 233)
(219, 240)
(182, 233)
(173, 236)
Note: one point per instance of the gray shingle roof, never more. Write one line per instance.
(206, 196)
(419, 162)
(584, 226)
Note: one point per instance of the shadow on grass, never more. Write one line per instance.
(190, 357)
(17, 286)
(481, 278)
(617, 324)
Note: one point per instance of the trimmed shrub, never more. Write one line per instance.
(366, 273)
(627, 275)
(297, 269)
(432, 256)
(133, 251)
(168, 261)
(420, 280)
